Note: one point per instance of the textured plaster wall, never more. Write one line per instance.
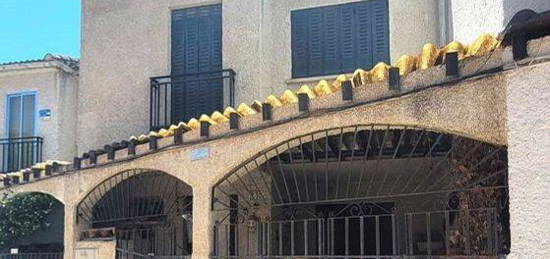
(258, 45)
(55, 91)
(529, 160)
(474, 108)
(125, 42)
(474, 17)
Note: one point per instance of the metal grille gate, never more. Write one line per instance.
(373, 191)
(149, 211)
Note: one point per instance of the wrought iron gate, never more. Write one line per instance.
(150, 213)
(372, 191)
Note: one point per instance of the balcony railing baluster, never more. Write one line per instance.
(19, 153)
(162, 108)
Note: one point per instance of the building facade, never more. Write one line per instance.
(442, 154)
(39, 100)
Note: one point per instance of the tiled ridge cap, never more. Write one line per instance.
(72, 63)
(38, 170)
(364, 86)
(429, 56)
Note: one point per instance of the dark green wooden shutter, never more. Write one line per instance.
(300, 43)
(196, 55)
(340, 38)
(381, 39)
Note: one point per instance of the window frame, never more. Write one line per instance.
(8, 111)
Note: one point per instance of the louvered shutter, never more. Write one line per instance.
(340, 38)
(331, 41)
(316, 41)
(380, 23)
(196, 59)
(351, 40)
(300, 43)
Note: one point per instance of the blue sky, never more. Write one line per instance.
(31, 28)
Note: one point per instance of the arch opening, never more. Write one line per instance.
(148, 212)
(31, 226)
(369, 190)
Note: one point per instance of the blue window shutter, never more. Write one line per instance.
(338, 39)
(300, 45)
(350, 39)
(196, 48)
(331, 43)
(316, 42)
(381, 41)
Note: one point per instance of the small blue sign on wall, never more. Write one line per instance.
(45, 114)
(199, 153)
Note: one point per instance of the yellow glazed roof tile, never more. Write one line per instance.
(273, 101)
(288, 97)
(193, 123)
(218, 117)
(245, 110)
(306, 90)
(205, 118)
(429, 56)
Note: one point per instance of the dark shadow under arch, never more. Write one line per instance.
(148, 211)
(396, 180)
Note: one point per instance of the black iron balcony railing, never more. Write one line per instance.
(19, 153)
(178, 98)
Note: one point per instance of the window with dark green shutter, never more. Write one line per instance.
(338, 39)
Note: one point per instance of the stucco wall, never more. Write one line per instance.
(126, 42)
(461, 109)
(529, 160)
(474, 17)
(55, 91)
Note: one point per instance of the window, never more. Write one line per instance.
(339, 39)
(21, 111)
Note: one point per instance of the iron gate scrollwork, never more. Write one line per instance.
(149, 211)
(367, 191)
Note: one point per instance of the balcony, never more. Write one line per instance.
(19, 153)
(178, 98)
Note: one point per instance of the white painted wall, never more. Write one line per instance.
(474, 17)
(529, 160)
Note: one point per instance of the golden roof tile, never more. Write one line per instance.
(273, 101)
(360, 77)
(406, 64)
(193, 123)
(306, 90)
(428, 57)
(380, 72)
(338, 82)
(227, 112)
(454, 46)
(206, 118)
(322, 88)
(289, 97)
(483, 44)
(218, 117)
(245, 110)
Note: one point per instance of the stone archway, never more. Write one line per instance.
(148, 212)
(366, 190)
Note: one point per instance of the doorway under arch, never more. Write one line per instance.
(367, 191)
(148, 212)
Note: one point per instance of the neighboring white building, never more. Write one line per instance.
(38, 121)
